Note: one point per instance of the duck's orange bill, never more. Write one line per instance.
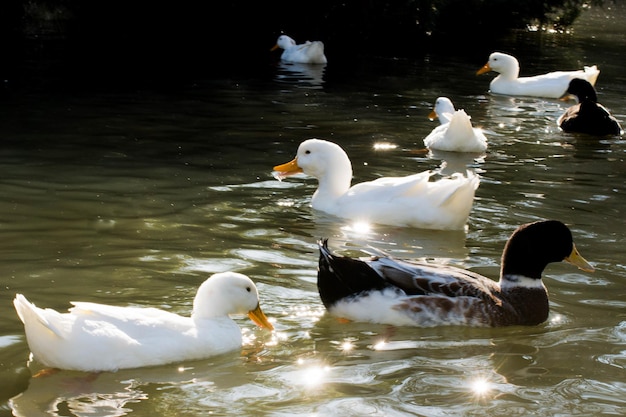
(290, 168)
(432, 115)
(576, 259)
(275, 47)
(259, 318)
(484, 69)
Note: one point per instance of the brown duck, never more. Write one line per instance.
(588, 116)
(381, 289)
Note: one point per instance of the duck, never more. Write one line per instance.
(413, 200)
(442, 110)
(455, 135)
(382, 289)
(306, 53)
(95, 337)
(588, 116)
(550, 85)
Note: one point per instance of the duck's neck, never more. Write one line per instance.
(511, 73)
(202, 309)
(589, 96)
(332, 185)
(508, 281)
(527, 297)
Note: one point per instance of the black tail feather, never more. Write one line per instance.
(339, 277)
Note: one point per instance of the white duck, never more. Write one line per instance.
(97, 337)
(413, 200)
(552, 84)
(455, 135)
(306, 53)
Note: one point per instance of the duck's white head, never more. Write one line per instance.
(284, 42)
(327, 162)
(320, 159)
(442, 110)
(504, 64)
(229, 293)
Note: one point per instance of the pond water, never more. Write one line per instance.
(134, 198)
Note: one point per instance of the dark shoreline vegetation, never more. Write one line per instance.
(79, 41)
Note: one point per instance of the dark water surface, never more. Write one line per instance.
(134, 198)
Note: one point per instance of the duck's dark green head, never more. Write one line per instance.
(582, 89)
(533, 246)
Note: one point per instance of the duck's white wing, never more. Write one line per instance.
(412, 187)
(129, 316)
(389, 188)
(306, 53)
(553, 84)
(416, 185)
(412, 201)
(436, 136)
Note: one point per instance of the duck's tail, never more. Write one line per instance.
(315, 47)
(339, 277)
(457, 197)
(315, 52)
(461, 189)
(591, 74)
(459, 131)
(30, 314)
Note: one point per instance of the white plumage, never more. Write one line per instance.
(97, 337)
(306, 53)
(457, 134)
(551, 85)
(413, 200)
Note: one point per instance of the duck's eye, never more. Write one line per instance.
(307, 152)
(248, 289)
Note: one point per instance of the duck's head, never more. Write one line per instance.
(320, 159)
(229, 293)
(505, 64)
(533, 246)
(442, 110)
(283, 42)
(581, 89)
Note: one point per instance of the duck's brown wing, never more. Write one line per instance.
(441, 294)
(418, 278)
(590, 118)
(568, 117)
